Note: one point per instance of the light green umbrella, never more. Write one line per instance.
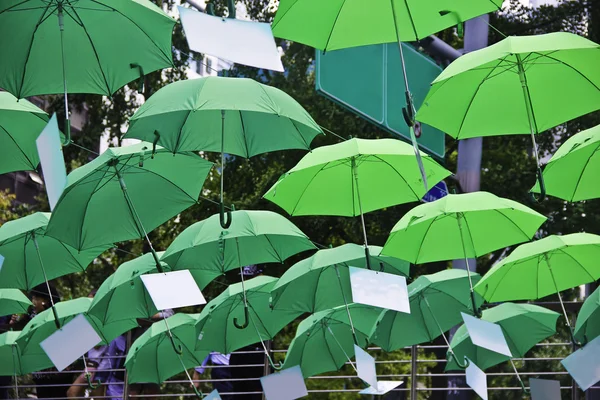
(520, 85)
(571, 172)
(544, 267)
(13, 301)
(10, 354)
(238, 116)
(254, 237)
(125, 193)
(324, 341)
(83, 46)
(20, 124)
(152, 359)
(436, 303)
(461, 226)
(587, 326)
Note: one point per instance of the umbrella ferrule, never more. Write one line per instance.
(61, 19)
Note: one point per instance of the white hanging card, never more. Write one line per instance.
(486, 334)
(365, 366)
(49, 149)
(214, 395)
(477, 380)
(382, 388)
(243, 42)
(173, 289)
(544, 389)
(379, 289)
(284, 385)
(70, 342)
(583, 364)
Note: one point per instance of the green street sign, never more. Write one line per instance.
(368, 81)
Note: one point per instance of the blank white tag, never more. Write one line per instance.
(70, 342)
(284, 385)
(365, 366)
(52, 161)
(379, 289)
(243, 42)
(214, 395)
(544, 389)
(583, 364)
(173, 289)
(486, 334)
(477, 380)
(382, 388)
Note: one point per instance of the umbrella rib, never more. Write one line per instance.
(578, 263)
(17, 5)
(244, 133)
(87, 204)
(171, 182)
(18, 147)
(25, 261)
(284, 14)
(299, 133)
(273, 247)
(333, 25)
(430, 336)
(306, 188)
(314, 305)
(399, 174)
(181, 131)
(412, 23)
(571, 67)
(511, 221)
(422, 241)
(470, 237)
(582, 171)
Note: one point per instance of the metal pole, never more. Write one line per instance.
(413, 372)
(125, 376)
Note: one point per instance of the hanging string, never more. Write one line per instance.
(341, 348)
(262, 343)
(333, 133)
(493, 27)
(85, 148)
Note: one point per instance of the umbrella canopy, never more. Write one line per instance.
(475, 93)
(152, 358)
(342, 23)
(229, 115)
(523, 325)
(43, 325)
(570, 174)
(125, 193)
(13, 301)
(216, 330)
(254, 237)
(436, 302)
(461, 226)
(30, 256)
(10, 354)
(354, 177)
(20, 124)
(587, 326)
(322, 281)
(324, 340)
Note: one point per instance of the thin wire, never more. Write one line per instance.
(85, 148)
(341, 348)
(516, 372)
(126, 252)
(261, 340)
(332, 132)
(493, 27)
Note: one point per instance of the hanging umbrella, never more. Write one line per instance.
(152, 359)
(238, 116)
(20, 124)
(436, 301)
(83, 46)
(587, 326)
(10, 354)
(218, 318)
(327, 180)
(125, 193)
(342, 24)
(570, 174)
(544, 267)
(13, 301)
(324, 341)
(461, 226)
(255, 237)
(539, 81)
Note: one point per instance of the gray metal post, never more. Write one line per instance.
(414, 354)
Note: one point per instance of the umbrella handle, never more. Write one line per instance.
(368, 257)
(176, 348)
(460, 365)
(246, 322)
(91, 385)
(408, 112)
(224, 217)
(154, 142)
(540, 179)
(56, 321)
(197, 392)
(141, 70)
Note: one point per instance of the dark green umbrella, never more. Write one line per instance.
(10, 354)
(13, 301)
(587, 326)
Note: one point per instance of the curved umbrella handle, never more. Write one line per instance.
(246, 320)
(56, 321)
(197, 392)
(91, 385)
(224, 217)
(540, 179)
(141, 71)
(177, 349)
(525, 391)
(154, 142)
(460, 365)
(67, 133)
(368, 257)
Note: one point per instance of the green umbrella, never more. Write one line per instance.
(544, 267)
(352, 178)
(523, 326)
(10, 354)
(324, 341)
(20, 124)
(538, 81)
(461, 226)
(587, 326)
(215, 328)
(341, 24)
(255, 237)
(570, 174)
(152, 359)
(238, 116)
(13, 301)
(125, 193)
(96, 46)
(436, 301)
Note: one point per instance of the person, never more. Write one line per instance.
(220, 373)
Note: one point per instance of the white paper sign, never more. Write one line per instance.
(382, 388)
(379, 289)
(214, 395)
(544, 389)
(52, 161)
(477, 380)
(70, 342)
(243, 42)
(284, 385)
(583, 364)
(486, 334)
(173, 289)
(365, 366)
